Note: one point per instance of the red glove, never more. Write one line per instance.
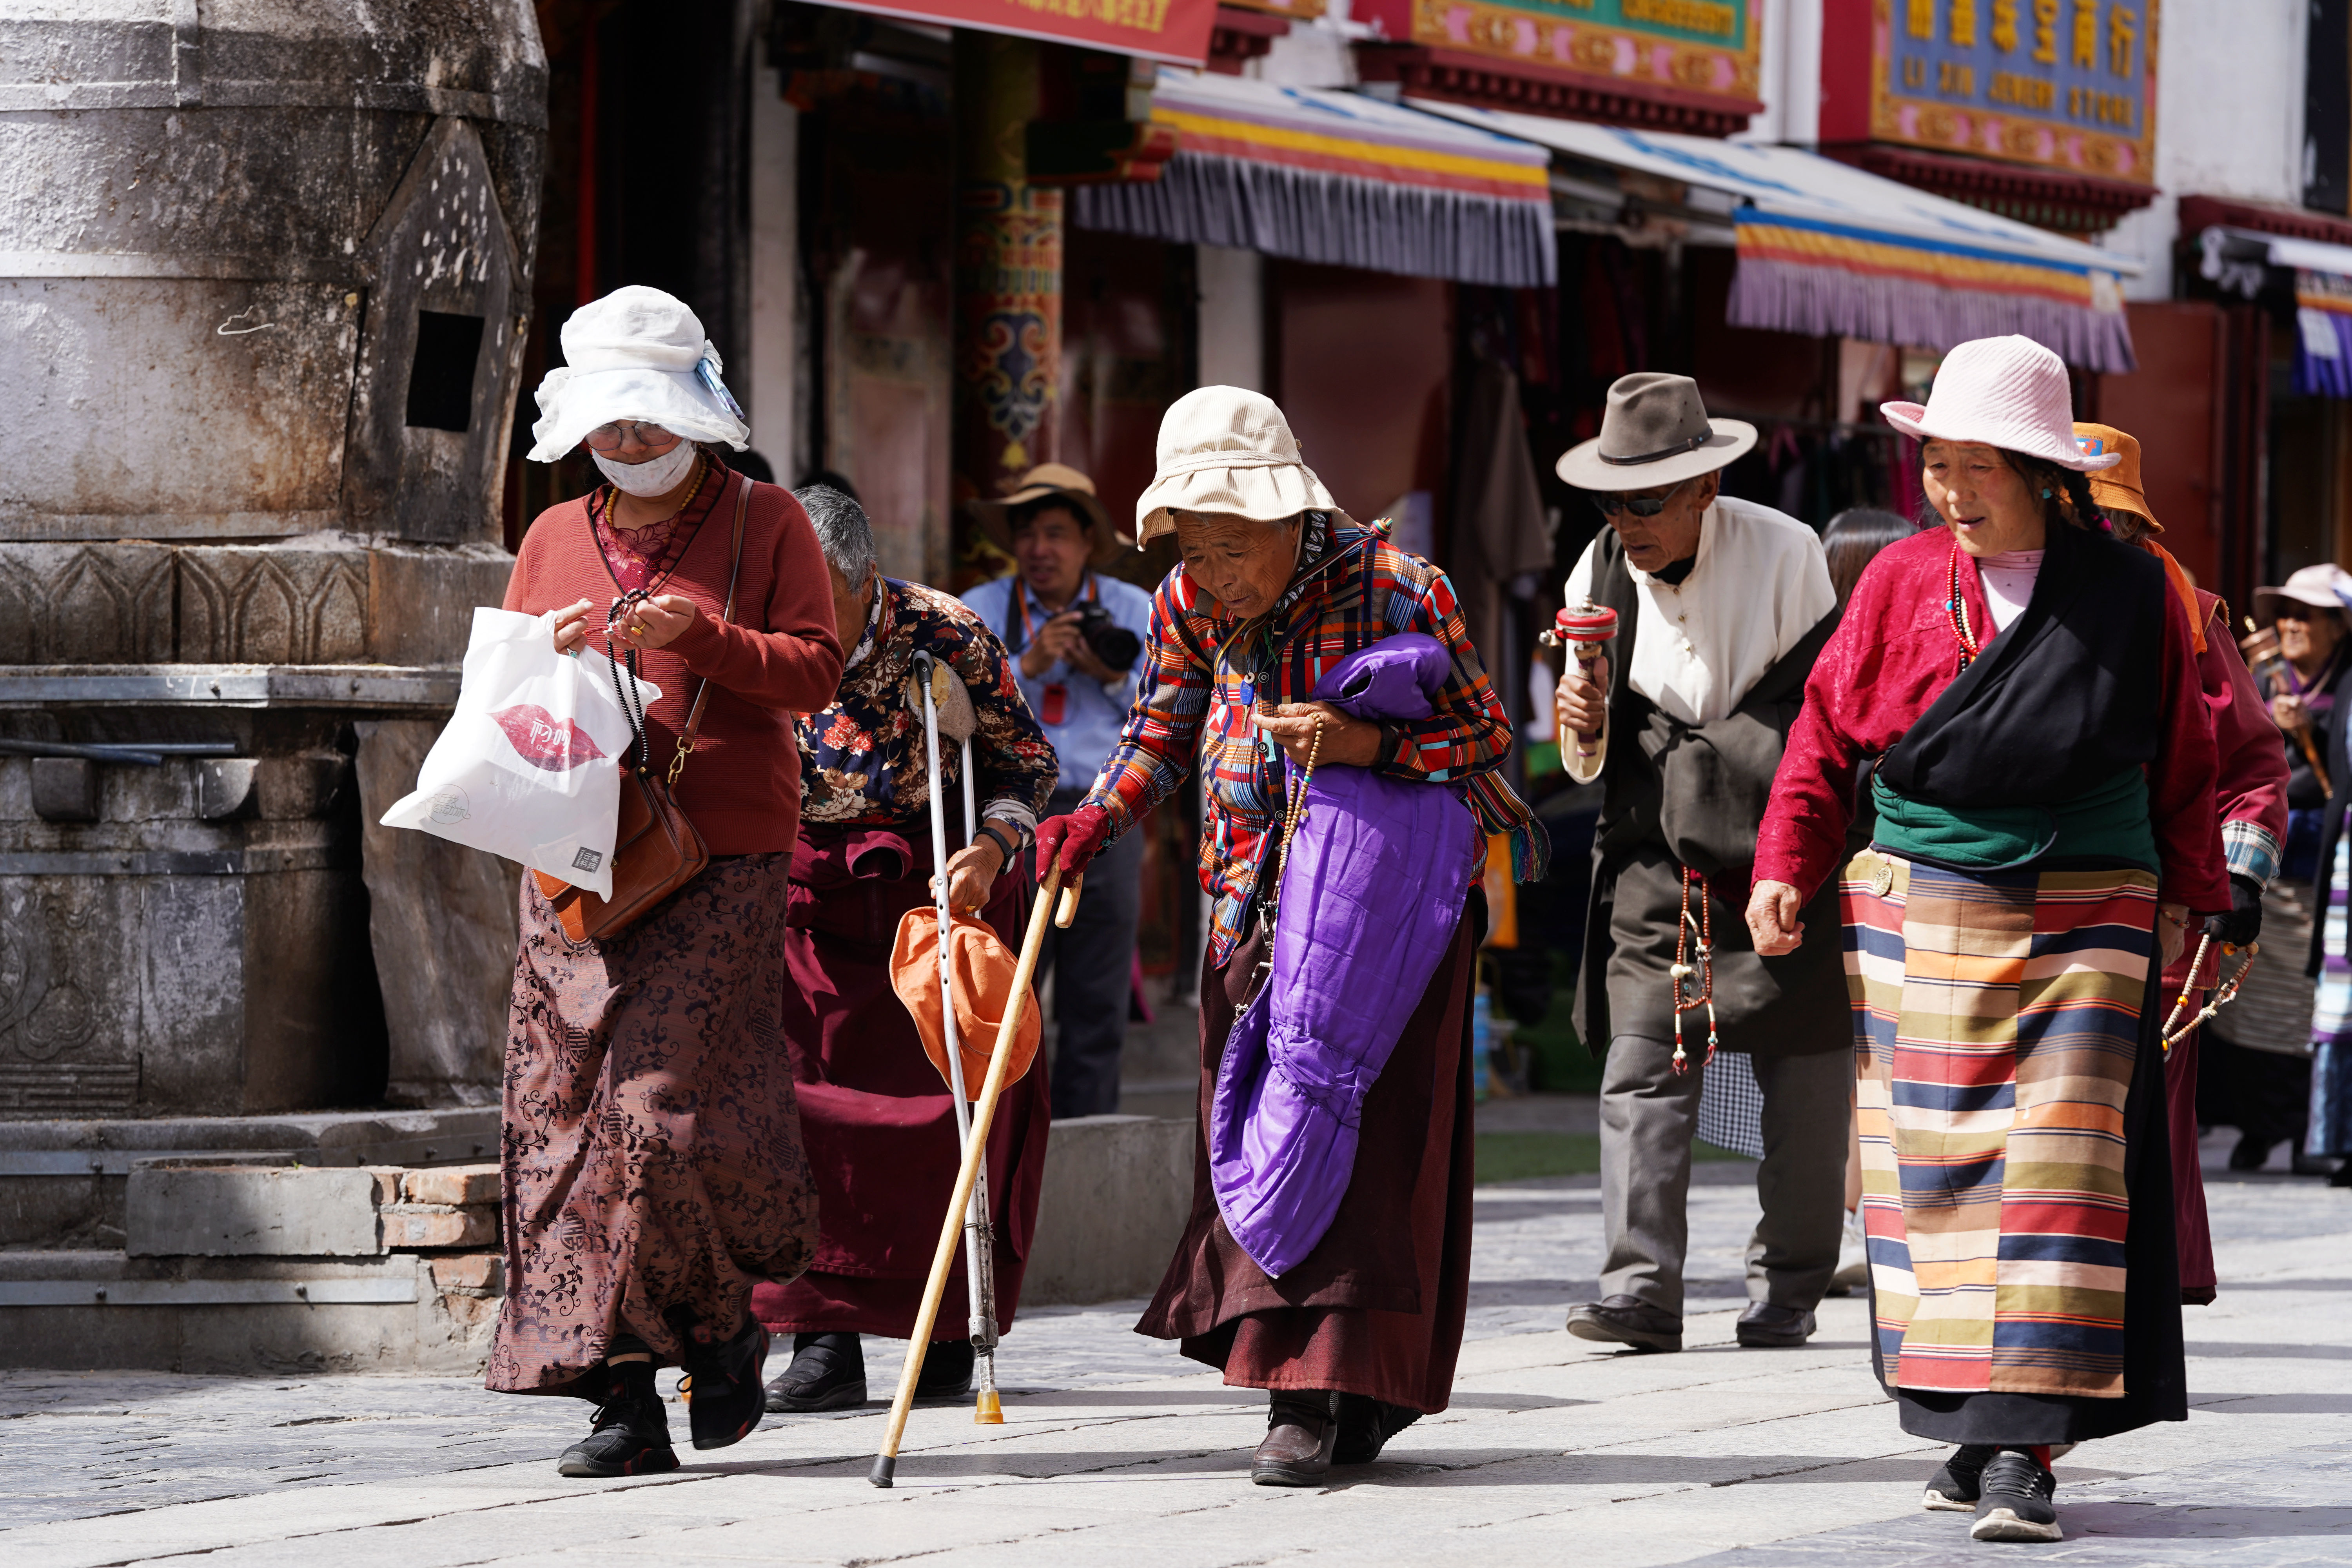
(1071, 841)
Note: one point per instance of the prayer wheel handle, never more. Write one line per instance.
(1583, 628)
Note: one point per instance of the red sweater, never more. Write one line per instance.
(1891, 658)
(779, 658)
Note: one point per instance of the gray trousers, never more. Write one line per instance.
(1648, 1115)
(1092, 966)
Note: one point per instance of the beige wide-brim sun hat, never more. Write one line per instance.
(1224, 449)
(1054, 482)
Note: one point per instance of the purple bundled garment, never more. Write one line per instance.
(1378, 874)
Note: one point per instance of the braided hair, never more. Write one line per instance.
(2067, 493)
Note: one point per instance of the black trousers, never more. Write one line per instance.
(1092, 965)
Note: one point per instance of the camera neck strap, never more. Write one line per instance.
(1017, 622)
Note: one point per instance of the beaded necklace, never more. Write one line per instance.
(1958, 609)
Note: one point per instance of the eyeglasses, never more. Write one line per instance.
(622, 433)
(1613, 502)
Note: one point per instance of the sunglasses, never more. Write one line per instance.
(1611, 503)
(621, 433)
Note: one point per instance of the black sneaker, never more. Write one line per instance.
(947, 1370)
(631, 1435)
(828, 1373)
(2016, 1500)
(1365, 1424)
(1954, 1488)
(721, 1387)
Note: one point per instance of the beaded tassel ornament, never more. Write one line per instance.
(1698, 965)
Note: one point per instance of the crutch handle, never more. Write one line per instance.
(1069, 910)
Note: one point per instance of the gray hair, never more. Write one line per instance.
(842, 530)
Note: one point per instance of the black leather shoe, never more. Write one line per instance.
(1300, 1433)
(1365, 1424)
(827, 1373)
(947, 1370)
(1765, 1326)
(721, 1388)
(2250, 1152)
(631, 1434)
(1627, 1321)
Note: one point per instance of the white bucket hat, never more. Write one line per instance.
(636, 354)
(1224, 449)
(2009, 393)
(2323, 587)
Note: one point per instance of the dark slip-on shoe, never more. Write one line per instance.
(1300, 1432)
(1627, 1321)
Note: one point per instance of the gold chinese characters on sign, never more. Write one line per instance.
(2062, 84)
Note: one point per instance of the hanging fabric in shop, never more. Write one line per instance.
(1337, 178)
(2323, 343)
(1499, 528)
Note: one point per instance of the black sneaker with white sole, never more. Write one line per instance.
(1956, 1485)
(2014, 1500)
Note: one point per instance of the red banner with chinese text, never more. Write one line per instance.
(1173, 30)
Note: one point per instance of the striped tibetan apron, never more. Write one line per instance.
(1996, 1025)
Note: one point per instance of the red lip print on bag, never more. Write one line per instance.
(544, 740)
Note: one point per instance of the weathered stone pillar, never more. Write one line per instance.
(1008, 268)
(264, 296)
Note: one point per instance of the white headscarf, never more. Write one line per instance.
(634, 355)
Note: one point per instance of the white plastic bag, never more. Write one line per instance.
(529, 765)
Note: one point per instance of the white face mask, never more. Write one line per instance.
(655, 475)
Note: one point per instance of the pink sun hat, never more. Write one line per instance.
(2009, 393)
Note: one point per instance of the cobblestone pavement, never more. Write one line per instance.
(1117, 1451)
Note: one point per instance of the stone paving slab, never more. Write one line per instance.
(1116, 1450)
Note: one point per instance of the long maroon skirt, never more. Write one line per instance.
(1377, 1308)
(878, 1118)
(652, 1151)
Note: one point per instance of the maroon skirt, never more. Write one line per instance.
(652, 1153)
(878, 1118)
(1377, 1308)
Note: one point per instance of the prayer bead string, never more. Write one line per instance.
(1687, 964)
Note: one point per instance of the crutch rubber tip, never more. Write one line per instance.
(886, 1466)
(990, 1412)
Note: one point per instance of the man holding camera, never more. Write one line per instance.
(1076, 640)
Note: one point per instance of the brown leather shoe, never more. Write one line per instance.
(1300, 1429)
(1627, 1321)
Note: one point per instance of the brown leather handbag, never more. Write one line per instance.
(656, 850)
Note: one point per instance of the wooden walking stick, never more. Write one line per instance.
(886, 1463)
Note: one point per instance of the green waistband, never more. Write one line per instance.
(2108, 822)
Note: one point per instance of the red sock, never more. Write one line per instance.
(2041, 1452)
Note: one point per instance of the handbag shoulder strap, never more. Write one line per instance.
(734, 576)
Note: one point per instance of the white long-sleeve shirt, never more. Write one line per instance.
(1759, 583)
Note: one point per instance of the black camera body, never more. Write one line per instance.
(1113, 644)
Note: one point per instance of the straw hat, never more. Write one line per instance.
(636, 354)
(2118, 490)
(1057, 481)
(1224, 449)
(1653, 433)
(2009, 393)
(2321, 587)
(984, 969)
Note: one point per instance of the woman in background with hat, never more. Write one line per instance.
(878, 1121)
(1051, 615)
(2046, 830)
(2250, 788)
(652, 1156)
(1275, 587)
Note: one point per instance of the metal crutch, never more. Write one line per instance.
(947, 705)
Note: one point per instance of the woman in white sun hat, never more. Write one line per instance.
(2047, 827)
(652, 1157)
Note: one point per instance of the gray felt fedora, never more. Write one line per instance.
(1655, 432)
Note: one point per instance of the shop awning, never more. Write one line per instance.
(1154, 29)
(1829, 250)
(2240, 259)
(1338, 178)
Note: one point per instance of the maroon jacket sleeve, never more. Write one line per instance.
(787, 656)
(2182, 780)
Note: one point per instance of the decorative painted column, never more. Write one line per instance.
(1008, 269)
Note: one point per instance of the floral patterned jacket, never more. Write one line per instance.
(862, 758)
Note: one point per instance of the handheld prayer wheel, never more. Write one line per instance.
(1583, 628)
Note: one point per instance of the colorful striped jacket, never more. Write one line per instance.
(1203, 670)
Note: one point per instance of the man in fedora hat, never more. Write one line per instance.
(1721, 606)
(1076, 638)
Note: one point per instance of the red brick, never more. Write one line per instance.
(408, 1227)
(387, 1184)
(474, 1271)
(453, 1184)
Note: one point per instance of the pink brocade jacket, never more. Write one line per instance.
(1891, 658)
